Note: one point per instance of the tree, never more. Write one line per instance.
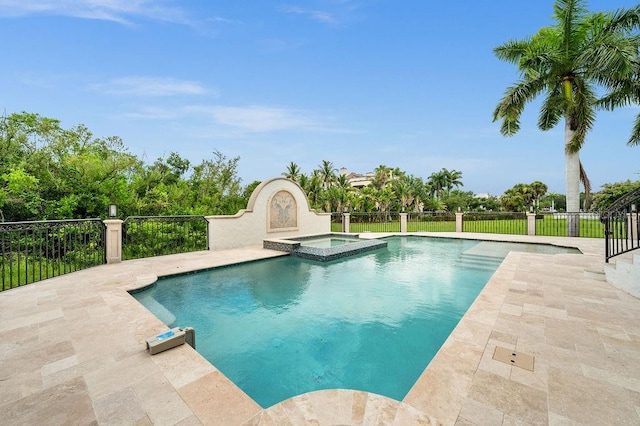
(554, 202)
(313, 188)
(437, 182)
(444, 180)
(518, 198)
(610, 192)
(459, 200)
(571, 61)
(402, 192)
(383, 175)
(215, 186)
(538, 189)
(327, 174)
(293, 172)
(453, 179)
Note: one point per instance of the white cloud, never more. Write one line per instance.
(151, 87)
(120, 11)
(320, 16)
(236, 119)
(257, 118)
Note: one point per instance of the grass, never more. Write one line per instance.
(507, 226)
(17, 273)
(548, 226)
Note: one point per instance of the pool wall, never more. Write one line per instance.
(278, 208)
(324, 254)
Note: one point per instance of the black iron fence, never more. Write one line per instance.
(148, 236)
(34, 251)
(431, 222)
(622, 225)
(337, 224)
(495, 223)
(588, 225)
(375, 222)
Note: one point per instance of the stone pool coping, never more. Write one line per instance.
(72, 351)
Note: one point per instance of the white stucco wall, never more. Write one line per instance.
(250, 226)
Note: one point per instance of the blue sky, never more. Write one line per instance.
(409, 84)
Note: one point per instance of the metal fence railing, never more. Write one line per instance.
(431, 222)
(337, 224)
(148, 236)
(622, 225)
(557, 224)
(375, 222)
(34, 251)
(495, 223)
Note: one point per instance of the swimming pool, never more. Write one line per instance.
(287, 326)
(327, 242)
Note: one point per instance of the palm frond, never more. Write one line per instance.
(634, 140)
(626, 19)
(621, 93)
(510, 107)
(569, 14)
(587, 186)
(512, 50)
(582, 114)
(552, 109)
(610, 57)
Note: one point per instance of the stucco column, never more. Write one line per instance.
(531, 223)
(459, 221)
(403, 222)
(113, 240)
(346, 222)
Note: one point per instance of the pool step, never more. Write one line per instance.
(478, 262)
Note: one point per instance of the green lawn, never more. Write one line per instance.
(548, 226)
(29, 270)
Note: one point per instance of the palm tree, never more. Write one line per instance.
(293, 172)
(402, 192)
(314, 190)
(538, 189)
(437, 182)
(327, 173)
(582, 54)
(382, 176)
(453, 179)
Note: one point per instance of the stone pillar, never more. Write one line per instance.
(113, 243)
(459, 221)
(346, 222)
(531, 224)
(403, 222)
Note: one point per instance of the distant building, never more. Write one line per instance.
(357, 180)
(483, 195)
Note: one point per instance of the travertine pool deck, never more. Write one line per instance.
(72, 352)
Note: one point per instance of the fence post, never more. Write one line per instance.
(531, 223)
(113, 240)
(403, 222)
(459, 221)
(346, 222)
(632, 228)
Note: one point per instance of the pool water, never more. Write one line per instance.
(328, 242)
(285, 326)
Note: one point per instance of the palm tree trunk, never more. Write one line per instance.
(572, 179)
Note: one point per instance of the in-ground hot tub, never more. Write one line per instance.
(324, 247)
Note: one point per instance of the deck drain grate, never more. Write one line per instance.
(512, 357)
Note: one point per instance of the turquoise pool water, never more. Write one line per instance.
(286, 326)
(328, 242)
